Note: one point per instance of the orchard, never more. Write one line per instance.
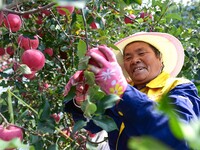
(43, 43)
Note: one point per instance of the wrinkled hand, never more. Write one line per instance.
(81, 88)
(108, 73)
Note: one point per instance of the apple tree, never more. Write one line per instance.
(43, 43)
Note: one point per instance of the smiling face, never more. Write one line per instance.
(142, 63)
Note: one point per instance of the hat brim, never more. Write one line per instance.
(170, 47)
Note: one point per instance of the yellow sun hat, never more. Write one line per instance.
(170, 47)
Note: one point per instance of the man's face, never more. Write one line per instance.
(141, 63)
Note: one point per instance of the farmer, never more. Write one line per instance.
(141, 72)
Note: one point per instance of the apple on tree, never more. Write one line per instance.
(28, 43)
(129, 19)
(49, 51)
(31, 75)
(10, 50)
(2, 51)
(1, 17)
(13, 22)
(145, 16)
(34, 59)
(62, 9)
(10, 132)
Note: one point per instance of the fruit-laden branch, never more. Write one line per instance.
(9, 10)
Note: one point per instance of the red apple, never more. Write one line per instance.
(27, 43)
(13, 22)
(1, 17)
(129, 19)
(93, 25)
(34, 59)
(10, 50)
(145, 15)
(62, 9)
(30, 76)
(10, 132)
(39, 20)
(26, 16)
(49, 51)
(46, 12)
(2, 51)
(56, 117)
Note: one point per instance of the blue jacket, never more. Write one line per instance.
(136, 111)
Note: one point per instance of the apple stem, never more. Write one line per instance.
(10, 107)
(4, 119)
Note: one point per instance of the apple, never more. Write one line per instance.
(56, 117)
(2, 51)
(129, 19)
(62, 9)
(46, 12)
(13, 22)
(30, 76)
(145, 15)
(39, 20)
(10, 50)
(34, 59)
(49, 51)
(1, 17)
(27, 43)
(10, 132)
(93, 25)
(26, 16)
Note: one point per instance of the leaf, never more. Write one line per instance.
(46, 126)
(90, 78)
(45, 112)
(146, 143)
(78, 125)
(71, 94)
(174, 16)
(24, 69)
(14, 143)
(105, 122)
(83, 63)
(106, 102)
(95, 93)
(88, 108)
(82, 48)
(128, 2)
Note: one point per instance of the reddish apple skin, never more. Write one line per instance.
(27, 43)
(34, 59)
(10, 133)
(30, 76)
(130, 19)
(10, 50)
(13, 22)
(1, 17)
(60, 9)
(93, 25)
(49, 51)
(2, 51)
(144, 15)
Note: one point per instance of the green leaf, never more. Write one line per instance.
(174, 16)
(88, 108)
(106, 102)
(105, 122)
(14, 143)
(89, 77)
(128, 2)
(53, 147)
(78, 125)
(71, 94)
(146, 143)
(83, 63)
(46, 126)
(45, 111)
(24, 69)
(95, 93)
(82, 48)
